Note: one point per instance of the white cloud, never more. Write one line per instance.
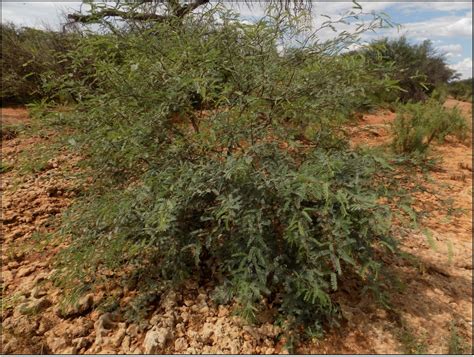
(464, 67)
(435, 6)
(437, 30)
(451, 50)
(446, 26)
(37, 14)
(462, 27)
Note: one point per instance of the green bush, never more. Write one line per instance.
(29, 58)
(219, 157)
(418, 125)
(461, 90)
(440, 93)
(418, 68)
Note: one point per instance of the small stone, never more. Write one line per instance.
(12, 265)
(81, 328)
(132, 330)
(34, 306)
(7, 276)
(223, 311)
(24, 271)
(118, 337)
(169, 301)
(188, 303)
(247, 337)
(247, 348)
(269, 351)
(107, 350)
(11, 346)
(155, 340)
(137, 351)
(202, 297)
(126, 344)
(41, 304)
(103, 323)
(168, 320)
(206, 332)
(381, 314)
(191, 351)
(81, 342)
(185, 316)
(44, 326)
(154, 320)
(180, 344)
(40, 277)
(234, 347)
(56, 344)
(83, 305)
(38, 292)
(180, 330)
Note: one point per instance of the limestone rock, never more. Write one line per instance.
(24, 271)
(180, 345)
(82, 306)
(7, 276)
(169, 301)
(103, 323)
(80, 328)
(38, 292)
(11, 346)
(156, 339)
(34, 306)
(132, 330)
(56, 344)
(118, 337)
(126, 344)
(81, 342)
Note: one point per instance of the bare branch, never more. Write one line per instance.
(178, 11)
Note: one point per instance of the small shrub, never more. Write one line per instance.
(411, 343)
(4, 167)
(461, 90)
(11, 131)
(456, 343)
(417, 125)
(440, 93)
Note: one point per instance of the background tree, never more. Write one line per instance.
(28, 57)
(419, 68)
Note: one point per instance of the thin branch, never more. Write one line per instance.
(178, 11)
(115, 13)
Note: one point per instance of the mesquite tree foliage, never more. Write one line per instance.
(218, 155)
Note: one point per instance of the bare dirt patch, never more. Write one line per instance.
(14, 115)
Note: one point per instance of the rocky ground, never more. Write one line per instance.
(431, 307)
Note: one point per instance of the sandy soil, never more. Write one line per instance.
(434, 291)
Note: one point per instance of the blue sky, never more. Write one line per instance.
(447, 24)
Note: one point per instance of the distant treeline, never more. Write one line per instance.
(31, 59)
